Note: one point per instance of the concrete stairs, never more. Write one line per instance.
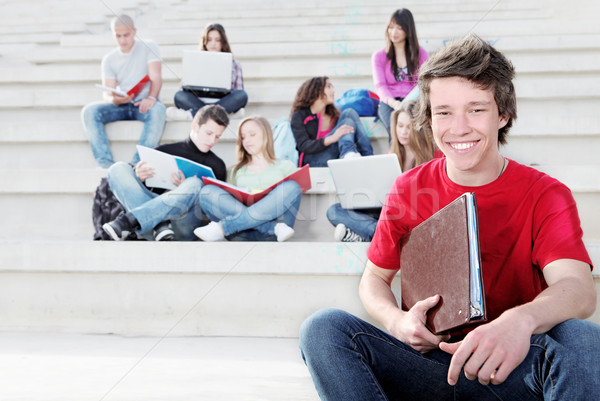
(55, 280)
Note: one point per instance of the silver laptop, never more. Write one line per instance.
(364, 182)
(207, 74)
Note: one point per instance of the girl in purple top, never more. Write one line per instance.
(395, 68)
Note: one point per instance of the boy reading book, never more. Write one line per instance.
(135, 68)
(154, 213)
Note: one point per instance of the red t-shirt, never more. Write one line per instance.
(527, 219)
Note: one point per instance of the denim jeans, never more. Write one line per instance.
(234, 101)
(95, 115)
(351, 360)
(181, 205)
(363, 222)
(384, 112)
(358, 141)
(280, 205)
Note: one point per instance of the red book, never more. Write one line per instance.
(301, 176)
(138, 87)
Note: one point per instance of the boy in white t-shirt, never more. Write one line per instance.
(134, 68)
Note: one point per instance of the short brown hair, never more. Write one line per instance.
(477, 61)
(213, 112)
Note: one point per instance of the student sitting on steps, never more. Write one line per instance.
(321, 131)
(271, 218)
(160, 215)
(126, 67)
(214, 39)
(413, 148)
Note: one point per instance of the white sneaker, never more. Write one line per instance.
(210, 232)
(352, 155)
(177, 114)
(344, 234)
(283, 232)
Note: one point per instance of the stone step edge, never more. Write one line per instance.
(580, 178)
(239, 258)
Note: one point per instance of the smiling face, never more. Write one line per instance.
(125, 37)
(213, 41)
(253, 138)
(465, 123)
(395, 33)
(207, 135)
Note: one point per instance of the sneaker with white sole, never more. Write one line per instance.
(163, 232)
(283, 232)
(344, 234)
(119, 228)
(210, 232)
(177, 114)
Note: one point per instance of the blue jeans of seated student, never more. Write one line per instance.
(358, 141)
(95, 115)
(351, 360)
(180, 206)
(232, 102)
(384, 112)
(363, 222)
(256, 222)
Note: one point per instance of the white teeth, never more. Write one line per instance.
(462, 146)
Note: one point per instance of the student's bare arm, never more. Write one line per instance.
(493, 350)
(379, 300)
(155, 75)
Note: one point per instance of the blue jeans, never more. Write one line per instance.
(384, 112)
(255, 222)
(363, 222)
(358, 141)
(95, 115)
(351, 360)
(234, 101)
(181, 205)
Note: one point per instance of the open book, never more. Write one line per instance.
(301, 176)
(132, 92)
(441, 256)
(165, 164)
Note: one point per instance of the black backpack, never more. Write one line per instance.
(106, 208)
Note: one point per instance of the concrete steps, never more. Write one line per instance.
(183, 289)
(53, 278)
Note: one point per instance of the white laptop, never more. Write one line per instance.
(207, 74)
(364, 182)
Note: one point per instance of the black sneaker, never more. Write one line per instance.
(119, 228)
(163, 232)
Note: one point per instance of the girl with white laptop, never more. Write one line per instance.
(214, 39)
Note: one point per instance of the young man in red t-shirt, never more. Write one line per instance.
(536, 271)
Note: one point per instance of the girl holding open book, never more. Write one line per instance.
(321, 131)
(214, 39)
(272, 217)
(413, 147)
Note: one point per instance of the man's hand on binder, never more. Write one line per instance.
(412, 331)
(491, 351)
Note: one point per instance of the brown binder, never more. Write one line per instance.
(441, 256)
